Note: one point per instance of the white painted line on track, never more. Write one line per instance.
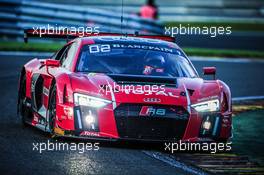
(236, 99)
(172, 162)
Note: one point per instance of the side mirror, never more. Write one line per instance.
(51, 62)
(209, 71)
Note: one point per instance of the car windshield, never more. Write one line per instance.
(106, 58)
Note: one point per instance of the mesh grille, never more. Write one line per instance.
(132, 124)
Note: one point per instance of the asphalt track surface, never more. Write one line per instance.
(16, 149)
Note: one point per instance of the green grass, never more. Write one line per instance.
(235, 26)
(248, 135)
(20, 46)
(52, 47)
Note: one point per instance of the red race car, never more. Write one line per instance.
(114, 86)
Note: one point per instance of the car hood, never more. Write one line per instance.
(111, 88)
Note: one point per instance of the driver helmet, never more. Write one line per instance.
(154, 64)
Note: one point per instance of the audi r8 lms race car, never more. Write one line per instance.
(115, 86)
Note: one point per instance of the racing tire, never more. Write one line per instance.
(23, 110)
(52, 110)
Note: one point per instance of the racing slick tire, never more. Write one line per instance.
(23, 110)
(52, 110)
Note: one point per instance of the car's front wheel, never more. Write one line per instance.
(52, 110)
(23, 110)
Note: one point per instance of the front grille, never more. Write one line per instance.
(170, 125)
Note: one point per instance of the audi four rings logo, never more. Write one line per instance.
(152, 100)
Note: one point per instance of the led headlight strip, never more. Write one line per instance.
(86, 100)
(207, 106)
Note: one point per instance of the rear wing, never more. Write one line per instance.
(69, 35)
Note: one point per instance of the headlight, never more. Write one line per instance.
(85, 100)
(207, 106)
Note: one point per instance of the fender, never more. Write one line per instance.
(226, 90)
(65, 102)
(63, 85)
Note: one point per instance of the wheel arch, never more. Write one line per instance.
(63, 87)
(227, 92)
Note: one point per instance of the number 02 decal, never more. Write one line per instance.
(99, 48)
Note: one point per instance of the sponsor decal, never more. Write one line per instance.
(146, 47)
(104, 48)
(145, 40)
(137, 90)
(149, 70)
(88, 133)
